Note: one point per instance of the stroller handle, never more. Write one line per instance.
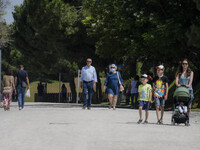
(182, 86)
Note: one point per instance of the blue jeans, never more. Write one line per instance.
(89, 87)
(21, 95)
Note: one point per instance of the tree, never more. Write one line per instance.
(194, 39)
(9, 54)
(143, 30)
(3, 27)
(51, 37)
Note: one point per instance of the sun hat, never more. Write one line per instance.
(160, 67)
(145, 76)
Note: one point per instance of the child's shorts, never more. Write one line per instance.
(160, 101)
(144, 105)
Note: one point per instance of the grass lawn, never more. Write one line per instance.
(196, 109)
(52, 87)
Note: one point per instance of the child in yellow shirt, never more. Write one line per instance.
(145, 94)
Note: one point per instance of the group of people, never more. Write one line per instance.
(141, 93)
(15, 84)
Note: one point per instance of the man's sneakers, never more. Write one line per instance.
(89, 108)
(20, 108)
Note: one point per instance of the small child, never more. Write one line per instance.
(182, 108)
(145, 95)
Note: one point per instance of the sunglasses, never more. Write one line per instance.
(113, 67)
(160, 69)
(184, 63)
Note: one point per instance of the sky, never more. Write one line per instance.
(10, 8)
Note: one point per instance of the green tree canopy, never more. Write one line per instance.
(49, 31)
(153, 31)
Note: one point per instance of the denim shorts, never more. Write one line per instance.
(160, 101)
(191, 97)
(144, 104)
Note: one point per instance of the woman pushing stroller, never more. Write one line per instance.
(184, 77)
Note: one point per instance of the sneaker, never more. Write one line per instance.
(114, 108)
(20, 108)
(145, 122)
(83, 107)
(89, 108)
(161, 122)
(158, 122)
(139, 121)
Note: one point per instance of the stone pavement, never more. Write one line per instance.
(46, 126)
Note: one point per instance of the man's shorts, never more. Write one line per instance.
(160, 101)
(144, 104)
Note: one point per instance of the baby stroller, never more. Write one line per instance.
(181, 95)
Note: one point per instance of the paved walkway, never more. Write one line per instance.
(44, 126)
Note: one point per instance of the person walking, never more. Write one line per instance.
(145, 98)
(22, 82)
(64, 93)
(160, 87)
(113, 82)
(184, 77)
(134, 91)
(88, 82)
(128, 94)
(40, 89)
(7, 89)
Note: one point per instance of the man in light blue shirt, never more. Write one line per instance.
(88, 82)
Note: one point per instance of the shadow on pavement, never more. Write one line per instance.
(165, 124)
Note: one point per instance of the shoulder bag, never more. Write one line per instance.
(121, 88)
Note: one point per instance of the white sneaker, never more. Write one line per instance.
(20, 108)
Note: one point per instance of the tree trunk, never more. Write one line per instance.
(73, 90)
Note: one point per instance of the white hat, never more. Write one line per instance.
(160, 67)
(145, 76)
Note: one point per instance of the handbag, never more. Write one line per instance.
(121, 88)
(7, 89)
(23, 84)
